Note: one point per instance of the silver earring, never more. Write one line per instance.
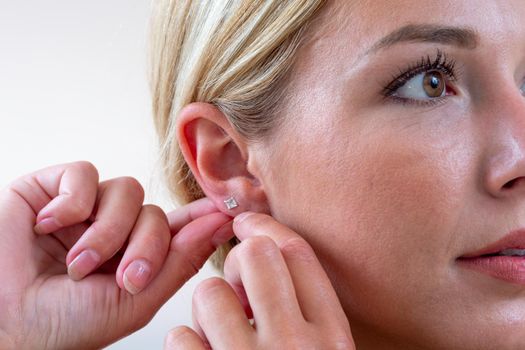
(231, 203)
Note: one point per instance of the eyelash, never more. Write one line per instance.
(441, 63)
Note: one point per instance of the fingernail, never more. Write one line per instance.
(223, 234)
(83, 264)
(136, 276)
(47, 225)
(242, 216)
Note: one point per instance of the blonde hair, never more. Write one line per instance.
(234, 54)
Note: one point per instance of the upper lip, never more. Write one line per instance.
(513, 240)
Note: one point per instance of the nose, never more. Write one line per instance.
(505, 171)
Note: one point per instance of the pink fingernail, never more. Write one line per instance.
(47, 225)
(136, 276)
(83, 264)
(223, 234)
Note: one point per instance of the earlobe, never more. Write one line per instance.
(218, 158)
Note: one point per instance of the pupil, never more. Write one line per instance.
(434, 82)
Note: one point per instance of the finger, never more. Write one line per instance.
(69, 235)
(119, 203)
(188, 252)
(147, 248)
(241, 295)
(183, 338)
(219, 316)
(186, 214)
(60, 195)
(315, 293)
(258, 266)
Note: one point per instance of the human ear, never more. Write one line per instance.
(220, 159)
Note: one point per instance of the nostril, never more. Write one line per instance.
(512, 183)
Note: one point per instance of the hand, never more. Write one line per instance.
(102, 231)
(273, 276)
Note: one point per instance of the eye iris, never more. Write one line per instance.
(433, 83)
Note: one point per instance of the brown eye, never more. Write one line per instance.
(428, 86)
(434, 84)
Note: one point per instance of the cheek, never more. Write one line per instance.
(378, 200)
(395, 211)
(382, 216)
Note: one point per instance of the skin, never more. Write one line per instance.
(390, 195)
(274, 274)
(43, 301)
(372, 202)
(48, 294)
(412, 188)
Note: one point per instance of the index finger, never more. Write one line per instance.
(188, 252)
(60, 195)
(182, 216)
(314, 290)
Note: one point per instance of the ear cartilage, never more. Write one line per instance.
(231, 203)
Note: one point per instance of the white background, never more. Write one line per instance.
(73, 86)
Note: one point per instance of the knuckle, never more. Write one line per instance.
(255, 250)
(18, 187)
(131, 185)
(5, 192)
(142, 320)
(259, 219)
(306, 338)
(295, 345)
(13, 186)
(79, 208)
(178, 335)
(207, 288)
(107, 230)
(86, 167)
(297, 247)
(207, 294)
(287, 340)
(255, 247)
(155, 212)
(155, 242)
(343, 343)
(154, 209)
(158, 221)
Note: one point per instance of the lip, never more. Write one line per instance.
(513, 240)
(507, 268)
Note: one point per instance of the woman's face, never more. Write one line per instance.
(392, 190)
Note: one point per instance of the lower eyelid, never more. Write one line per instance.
(433, 102)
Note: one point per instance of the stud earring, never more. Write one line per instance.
(231, 203)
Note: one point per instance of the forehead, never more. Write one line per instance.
(336, 46)
(359, 24)
(333, 77)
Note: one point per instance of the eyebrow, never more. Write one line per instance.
(463, 37)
